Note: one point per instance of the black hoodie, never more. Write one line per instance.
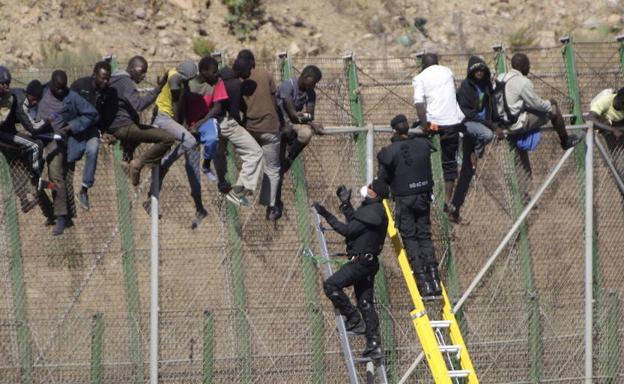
(233, 88)
(468, 96)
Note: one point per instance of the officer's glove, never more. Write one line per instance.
(343, 194)
(320, 209)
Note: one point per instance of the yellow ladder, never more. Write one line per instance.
(430, 332)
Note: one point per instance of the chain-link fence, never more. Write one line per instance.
(241, 298)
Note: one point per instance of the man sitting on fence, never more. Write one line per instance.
(607, 113)
(69, 115)
(96, 91)
(523, 112)
(296, 100)
(126, 125)
(476, 100)
(438, 112)
(364, 233)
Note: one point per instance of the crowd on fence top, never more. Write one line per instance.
(198, 108)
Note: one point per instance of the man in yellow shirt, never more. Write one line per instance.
(169, 115)
(607, 112)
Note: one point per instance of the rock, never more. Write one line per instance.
(317, 36)
(614, 19)
(195, 18)
(140, 13)
(313, 50)
(294, 49)
(202, 31)
(591, 23)
(400, 21)
(375, 25)
(545, 38)
(184, 4)
(162, 24)
(165, 41)
(152, 50)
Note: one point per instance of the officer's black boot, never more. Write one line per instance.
(424, 287)
(434, 279)
(373, 349)
(355, 324)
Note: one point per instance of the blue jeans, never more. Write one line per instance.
(479, 134)
(91, 155)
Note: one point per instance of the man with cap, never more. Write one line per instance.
(169, 116)
(405, 165)
(364, 233)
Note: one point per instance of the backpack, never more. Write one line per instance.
(507, 119)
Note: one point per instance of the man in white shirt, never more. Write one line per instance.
(438, 112)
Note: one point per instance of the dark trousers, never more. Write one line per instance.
(359, 272)
(414, 224)
(465, 174)
(449, 143)
(131, 136)
(57, 171)
(29, 148)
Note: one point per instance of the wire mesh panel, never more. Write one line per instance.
(245, 317)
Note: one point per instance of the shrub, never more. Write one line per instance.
(203, 46)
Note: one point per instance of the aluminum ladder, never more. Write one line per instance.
(345, 342)
(448, 363)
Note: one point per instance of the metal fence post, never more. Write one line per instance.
(208, 348)
(581, 151)
(310, 274)
(365, 149)
(235, 251)
(97, 346)
(16, 273)
(589, 257)
(526, 261)
(154, 310)
(126, 233)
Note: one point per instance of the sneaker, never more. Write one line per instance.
(373, 350)
(355, 324)
(453, 214)
(59, 228)
(238, 195)
(274, 213)
(211, 176)
(570, 142)
(199, 217)
(83, 199)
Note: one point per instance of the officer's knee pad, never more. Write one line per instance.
(330, 289)
(364, 304)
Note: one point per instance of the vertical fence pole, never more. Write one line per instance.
(589, 257)
(208, 348)
(97, 346)
(365, 152)
(154, 247)
(126, 233)
(581, 154)
(310, 273)
(16, 273)
(235, 251)
(530, 292)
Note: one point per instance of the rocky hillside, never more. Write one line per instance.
(42, 32)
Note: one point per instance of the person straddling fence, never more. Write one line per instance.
(364, 233)
(607, 113)
(476, 101)
(523, 112)
(126, 125)
(405, 165)
(296, 99)
(438, 111)
(215, 105)
(70, 116)
(96, 91)
(262, 122)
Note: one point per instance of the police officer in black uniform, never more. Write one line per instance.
(364, 232)
(406, 166)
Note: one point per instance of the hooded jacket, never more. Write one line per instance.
(365, 229)
(468, 95)
(130, 101)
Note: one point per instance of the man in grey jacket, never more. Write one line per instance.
(126, 124)
(529, 112)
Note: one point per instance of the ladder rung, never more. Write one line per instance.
(459, 374)
(450, 348)
(440, 323)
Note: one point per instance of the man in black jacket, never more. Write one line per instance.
(475, 98)
(406, 166)
(96, 91)
(365, 233)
